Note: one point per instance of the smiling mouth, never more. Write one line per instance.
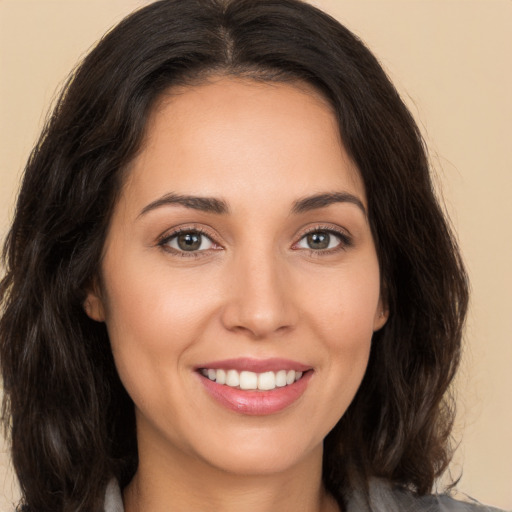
(252, 381)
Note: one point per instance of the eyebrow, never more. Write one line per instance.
(326, 199)
(204, 204)
(220, 207)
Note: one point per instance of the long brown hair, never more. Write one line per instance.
(69, 418)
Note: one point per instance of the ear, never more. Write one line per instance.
(381, 315)
(93, 303)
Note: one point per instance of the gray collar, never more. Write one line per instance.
(113, 499)
(383, 498)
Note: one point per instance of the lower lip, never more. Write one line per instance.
(256, 403)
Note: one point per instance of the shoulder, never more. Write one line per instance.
(383, 497)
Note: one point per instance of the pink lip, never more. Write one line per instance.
(256, 365)
(253, 402)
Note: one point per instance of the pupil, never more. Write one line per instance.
(319, 240)
(189, 241)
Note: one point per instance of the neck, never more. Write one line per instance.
(180, 483)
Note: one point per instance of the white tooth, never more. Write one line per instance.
(298, 375)
(212, 374)
(221, 377)
(248, 380)
(281, 378)
(290, 377)
(204, 372)
(232, 378)
(267, 381)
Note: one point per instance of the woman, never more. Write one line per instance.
(229, 282)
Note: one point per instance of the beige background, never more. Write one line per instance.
(451, 61)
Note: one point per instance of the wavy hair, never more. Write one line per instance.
(70, 420)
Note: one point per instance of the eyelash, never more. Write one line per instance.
(345, 241)
(166, 239)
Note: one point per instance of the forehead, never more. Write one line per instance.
(242, 137)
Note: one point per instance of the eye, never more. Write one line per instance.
(322, 239)
(188, 241)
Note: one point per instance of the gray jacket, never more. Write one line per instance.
(383, 498)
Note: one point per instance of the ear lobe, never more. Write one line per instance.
(381, 316)
(93, 305)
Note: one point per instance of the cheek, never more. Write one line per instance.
(342, 312)
(345, 304)
(153, 318)
(154, 306)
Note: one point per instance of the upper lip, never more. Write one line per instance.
(255, 365)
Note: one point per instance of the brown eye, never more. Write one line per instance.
(322, 240)
(189, 241)
(318, 240)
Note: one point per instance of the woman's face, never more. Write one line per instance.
(240, 251)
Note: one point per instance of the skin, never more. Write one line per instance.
(257, 289)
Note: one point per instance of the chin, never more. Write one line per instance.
(261, 452)
(258, 462)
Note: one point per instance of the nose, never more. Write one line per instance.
(260, 298)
